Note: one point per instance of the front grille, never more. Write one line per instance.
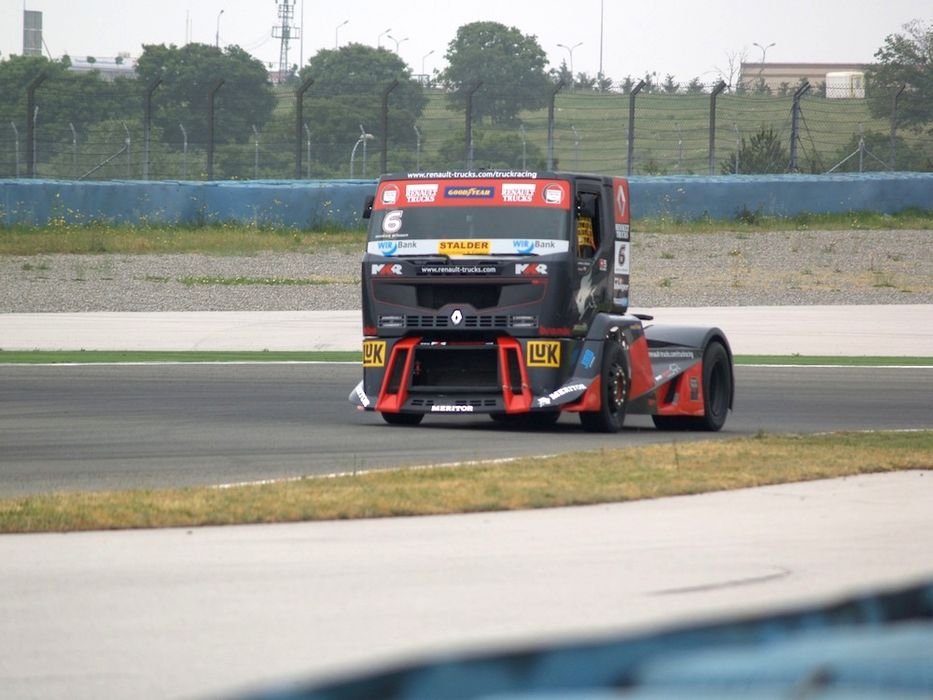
(472, 321)
(475, 403)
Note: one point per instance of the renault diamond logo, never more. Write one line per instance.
(456, 317)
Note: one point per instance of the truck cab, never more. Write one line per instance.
(497, 293)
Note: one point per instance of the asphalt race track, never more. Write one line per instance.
(152, 426)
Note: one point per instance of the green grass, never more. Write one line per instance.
(46, 357)
(600, 476)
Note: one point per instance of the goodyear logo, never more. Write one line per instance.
(469, 247)
(470, 192)
(374, 353)
(543, 353)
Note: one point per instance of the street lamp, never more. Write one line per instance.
(764, 53)
(398, 41)
(364, 137)
(379, 38)
(570, 51)
(217, 33)
(337, 32)
(422, 66)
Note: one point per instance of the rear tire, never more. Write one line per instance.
(614, 393)
(717, 394)
(402, 418)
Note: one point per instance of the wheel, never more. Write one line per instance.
(614, 380)
(540, 420)
(402, 418)
(717, 394)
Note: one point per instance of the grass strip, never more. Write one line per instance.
(44, 357)
(48, 357)
(600, 476)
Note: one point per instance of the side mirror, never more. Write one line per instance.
(368, 206)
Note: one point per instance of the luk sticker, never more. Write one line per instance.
(374, 353)
(553, 194)
(543, 353)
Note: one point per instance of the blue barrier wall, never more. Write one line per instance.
(309, 204)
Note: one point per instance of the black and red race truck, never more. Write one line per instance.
(507, 293)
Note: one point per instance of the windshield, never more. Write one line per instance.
(470, 217)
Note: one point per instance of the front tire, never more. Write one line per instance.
(402, 418)
(614, 393)
(717, 394)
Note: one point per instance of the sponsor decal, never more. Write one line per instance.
(363, 398)
(467, 247)
(387, 247)
(672, 354)
(553, 194)
(588, 359)
(390, 194)
(525, 247)
(420, 193)
(457, 270)
(623, 232)
(603, 265)
(460, 192)
(374, 353)
(694, 389)
(543, 353)
(451, 408)
(512, 192)
(619, 284)
(384, 270)
(531, 269)
(564, 390)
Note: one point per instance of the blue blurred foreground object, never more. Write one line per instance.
(873, 646)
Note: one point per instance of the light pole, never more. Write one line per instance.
(364, 137)
(422, 65)
(398, 41)
(337, 33)
(379, 38)
(764, 53)
(217, 33)
(570, 51)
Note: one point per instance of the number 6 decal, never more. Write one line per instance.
(392, 223)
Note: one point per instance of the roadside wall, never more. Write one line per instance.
(306, 204)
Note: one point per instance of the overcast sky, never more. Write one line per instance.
(687, 38)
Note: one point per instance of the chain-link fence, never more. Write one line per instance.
(123, 130)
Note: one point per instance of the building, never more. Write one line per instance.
(782, 76)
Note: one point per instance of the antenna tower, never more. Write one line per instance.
(285, 31)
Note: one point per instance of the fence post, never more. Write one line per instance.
(630, 155)
(795, 124)
(892, 163)
(299, 124)
(550, 123)
(385, 125)
(468, 134)
(210, 129)
(712, 126)
(148, 126)
(30, 124)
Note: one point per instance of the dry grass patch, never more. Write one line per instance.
(653, 471)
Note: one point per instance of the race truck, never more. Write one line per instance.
(507, 294)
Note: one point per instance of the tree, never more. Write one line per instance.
(603, 83)
(906, 60)
(349, 84)
(510, 64)
(562, 74)
(491, 150)
(670, 86)
(190, 73)
(695, 87)
(763, 153)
